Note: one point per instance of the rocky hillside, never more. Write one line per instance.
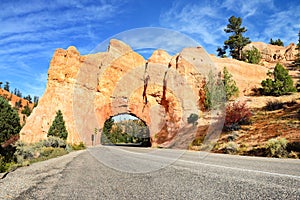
(14, 100)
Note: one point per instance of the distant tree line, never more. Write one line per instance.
(126, 132)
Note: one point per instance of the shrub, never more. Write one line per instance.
(281, 84)
(79, 146)
(252, 56)
(273, 105)
(45, 149)
(229, 85)
(276, 147)
(231, 148)
(214, 92)
(237, 113)
(192, 119)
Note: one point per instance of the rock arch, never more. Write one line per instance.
(162, 91)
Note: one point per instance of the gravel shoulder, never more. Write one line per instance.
(27, 178)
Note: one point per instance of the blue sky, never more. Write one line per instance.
(32, 30)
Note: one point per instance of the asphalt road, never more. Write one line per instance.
(109, 172)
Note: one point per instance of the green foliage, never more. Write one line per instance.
(35, 101)
(192, 119)
(214, 92)
(252, 56)
(26, 110)
(236, 41)
(79, 146)
(127, 131)
(277, 42)
(6, 86)
(28, 98)
(58, 128)
(45, 149)
(9, 121)
(276, 147)
(222, 51)
(281, 84)
(229, 84)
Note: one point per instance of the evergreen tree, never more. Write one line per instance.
(108, 124)
(28, 98)
(9, 121)
(236, 41)
(6, 86)
(1, 84)
(281, 84)
(35, 100)
(229, 84)
(58, 128)
(277, 42)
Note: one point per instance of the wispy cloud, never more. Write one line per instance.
(30, 32)
(206, 20)
(200, 20)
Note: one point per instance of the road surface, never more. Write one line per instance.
(110, 172)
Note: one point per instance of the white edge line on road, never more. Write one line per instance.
(241, 169)
(213, 165)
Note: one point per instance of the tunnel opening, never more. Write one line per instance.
(125, 130)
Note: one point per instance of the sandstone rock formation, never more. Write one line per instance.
(274, 53)
(163, 91)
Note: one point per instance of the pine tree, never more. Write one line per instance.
(236, 41)
(9, 121)
(58, 128)
(6, 86)
(277, 42)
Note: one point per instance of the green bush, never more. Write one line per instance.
(252, 56)
(229, 84)
(276, 147)
(281, 84)
(79, 146)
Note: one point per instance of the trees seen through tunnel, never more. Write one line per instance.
(127, 131)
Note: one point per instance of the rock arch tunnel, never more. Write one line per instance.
(162, 91)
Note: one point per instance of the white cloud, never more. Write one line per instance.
(30, 32)
(202, 21)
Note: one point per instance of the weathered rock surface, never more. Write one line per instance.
(162, 91)
(274, 53)
(89, 89)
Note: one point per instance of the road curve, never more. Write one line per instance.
(110, 172)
